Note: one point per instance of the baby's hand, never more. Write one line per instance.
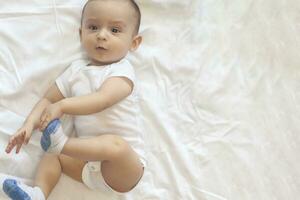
(21, 137)
(51, 112)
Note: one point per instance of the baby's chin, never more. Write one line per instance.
(102, 62)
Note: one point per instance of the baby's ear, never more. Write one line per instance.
(137, 40)
(80, 32)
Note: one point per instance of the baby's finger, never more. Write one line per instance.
(44, 124)
(40, 125)
(43, 117)
(20, 141)
(19, 145)
(12, 141)
(27, 137)
(11, 144)
(9, 147)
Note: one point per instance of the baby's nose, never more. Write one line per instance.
(102, 34)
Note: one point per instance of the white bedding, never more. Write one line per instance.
(220, 94)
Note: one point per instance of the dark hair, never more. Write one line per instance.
(135, 7)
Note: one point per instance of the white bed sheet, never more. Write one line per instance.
(220, 94)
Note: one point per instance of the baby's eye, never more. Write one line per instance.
(93, 28)
(115, 30)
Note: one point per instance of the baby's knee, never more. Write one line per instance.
(117, 147)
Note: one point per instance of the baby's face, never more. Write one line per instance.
(107, 31)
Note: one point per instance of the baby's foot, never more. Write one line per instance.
(53, 138)
(19, 191)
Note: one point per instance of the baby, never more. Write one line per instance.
(102, 95)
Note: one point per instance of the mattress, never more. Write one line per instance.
(220, 93)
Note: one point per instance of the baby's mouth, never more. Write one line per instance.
(100, 48)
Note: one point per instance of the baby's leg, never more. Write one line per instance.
(121, 167)
(48, 173)
(50, 169)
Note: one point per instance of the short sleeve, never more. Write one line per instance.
(63, 81)
(123, 69)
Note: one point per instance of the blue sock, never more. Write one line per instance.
(19, 191)
(53, 138)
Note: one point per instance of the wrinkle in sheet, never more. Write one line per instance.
(13, 15)
(12, 64)
(58, 26)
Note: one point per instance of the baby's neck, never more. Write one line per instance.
(97, 63)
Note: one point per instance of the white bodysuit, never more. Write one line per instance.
(121, 119)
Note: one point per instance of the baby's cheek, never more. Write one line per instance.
(87, 43)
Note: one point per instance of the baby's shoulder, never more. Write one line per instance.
(123, 65)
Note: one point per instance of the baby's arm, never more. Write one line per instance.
(53, 95)
(32, 122)
(112, 91)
